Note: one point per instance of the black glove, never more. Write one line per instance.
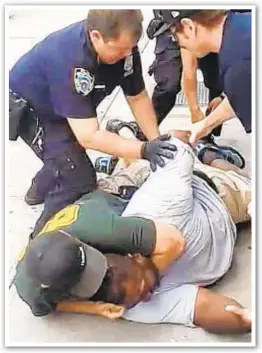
(154, 26)
(154, 150)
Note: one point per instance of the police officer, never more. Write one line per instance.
(54, 91)
(227, 33)
(167, 69)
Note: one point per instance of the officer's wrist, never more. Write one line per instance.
(143, 150)
(194, 108)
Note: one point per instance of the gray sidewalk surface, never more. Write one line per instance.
(26, 27)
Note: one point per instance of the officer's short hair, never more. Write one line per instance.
(206, 18)
(110, 23)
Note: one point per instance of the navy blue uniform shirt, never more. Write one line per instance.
(235, 64)
(61, 77)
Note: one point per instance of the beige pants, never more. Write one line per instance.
(234, 189)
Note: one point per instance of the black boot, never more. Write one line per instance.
(33, 197)
(115, 125)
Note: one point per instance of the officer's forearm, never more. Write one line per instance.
(113, 144)
(222, 113)
(190, 89)
(189, 64)
(144, 114)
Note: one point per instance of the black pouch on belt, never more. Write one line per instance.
(24, 122)
(18, 110)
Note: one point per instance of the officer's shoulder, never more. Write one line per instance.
(68, 32)
(61, 40)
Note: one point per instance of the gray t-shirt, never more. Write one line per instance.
(173, 195)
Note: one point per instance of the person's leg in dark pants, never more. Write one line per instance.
(210, 70)
(33, 134)
(167, 70)
(42, 183)
(75, 176)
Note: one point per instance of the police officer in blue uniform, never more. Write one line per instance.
(167, 69)
(54, 91)
(227, 33)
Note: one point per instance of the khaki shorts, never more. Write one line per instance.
(234, 189)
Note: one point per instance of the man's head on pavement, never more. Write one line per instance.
(114, 33)
(129, 280)
(64, 264)
(195, 30)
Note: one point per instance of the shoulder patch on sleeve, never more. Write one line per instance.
(83, 81)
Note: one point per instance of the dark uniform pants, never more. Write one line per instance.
(66, 175)
(210, 70)
(167, 70)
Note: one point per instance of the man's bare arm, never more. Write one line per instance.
(212, 314)
(111, 311)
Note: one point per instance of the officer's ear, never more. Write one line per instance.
(96, 37)
(189, 27)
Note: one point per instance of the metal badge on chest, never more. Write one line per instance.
(128, 65)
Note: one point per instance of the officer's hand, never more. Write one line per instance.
(213, 104)
(182, 135)
(242, 313)
(199, 130)
(197, 115)
(155, 150)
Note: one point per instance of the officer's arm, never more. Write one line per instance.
(163, 243)
(90, 137)
(144, 114)
(189, 63)
(169, 246)
(204, 127)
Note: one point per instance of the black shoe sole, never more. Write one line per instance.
(33, 202)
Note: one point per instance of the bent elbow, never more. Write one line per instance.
(86, 141)
(179, 245)
(175, 247)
